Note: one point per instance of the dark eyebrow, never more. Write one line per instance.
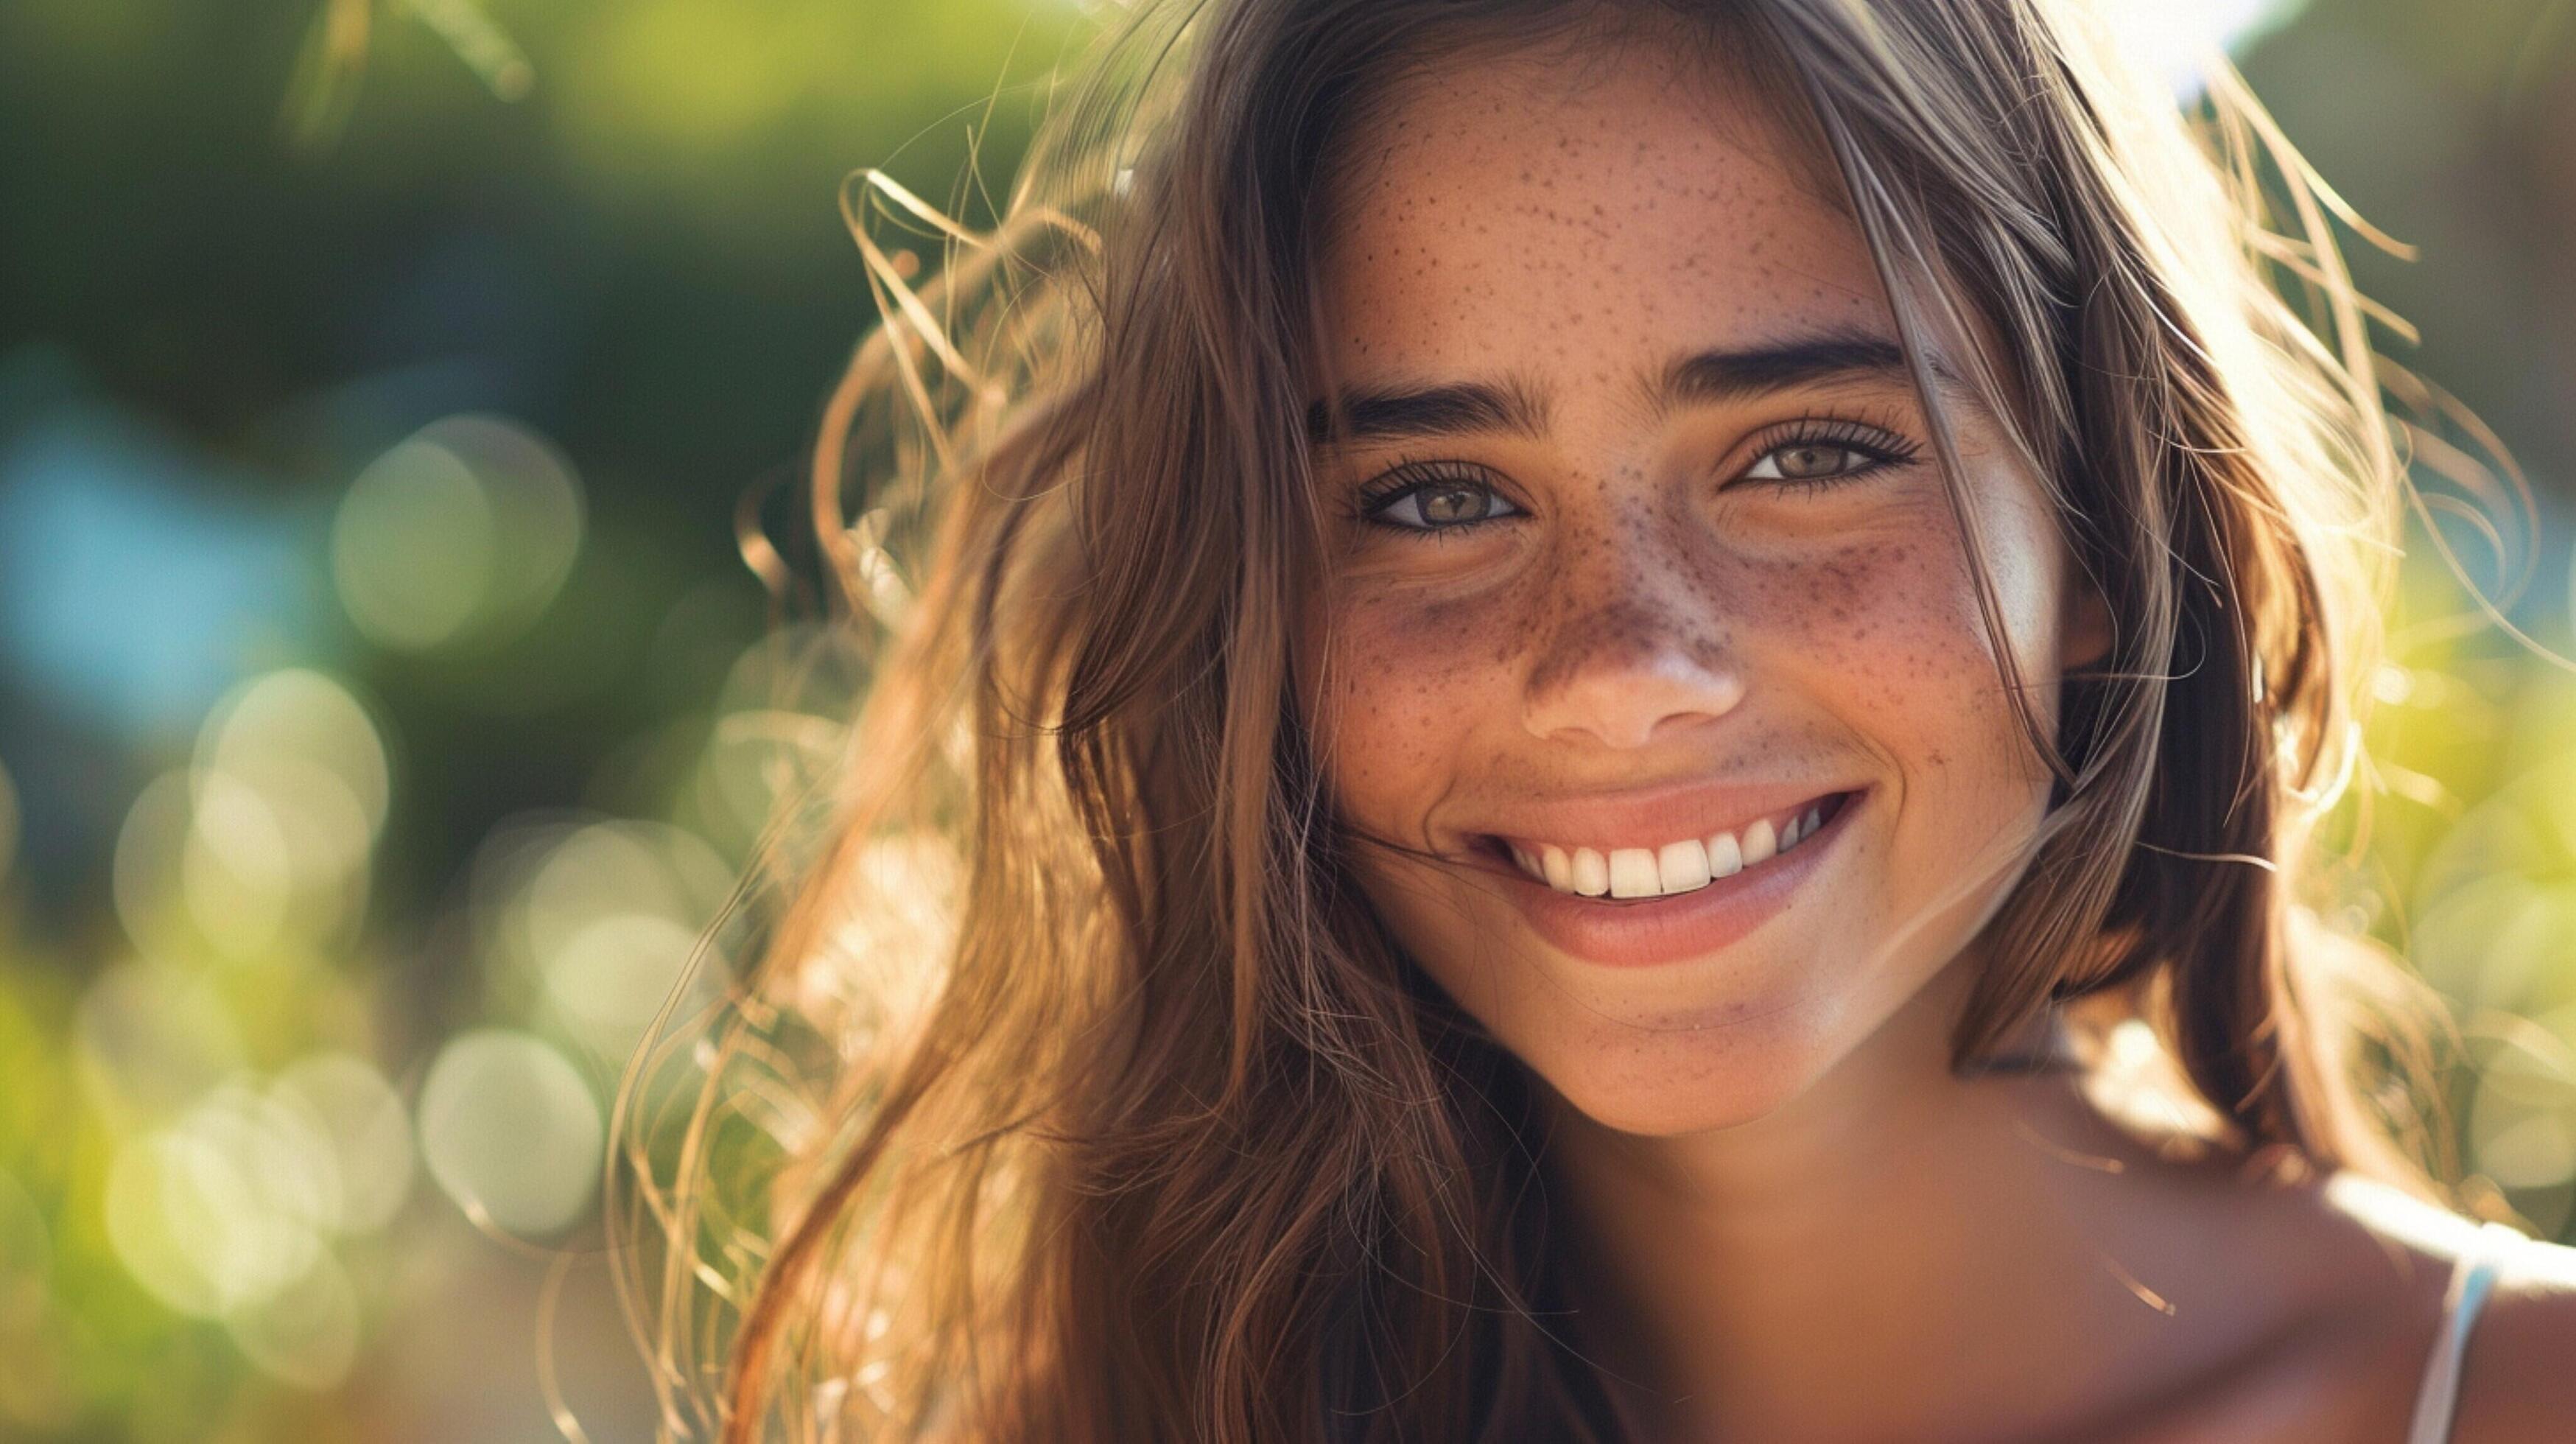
(1464, 408)
(1736, 375)
(1473, 407)
(1755, 370)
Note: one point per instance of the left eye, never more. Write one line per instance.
(1436, 505)
(1809, 461)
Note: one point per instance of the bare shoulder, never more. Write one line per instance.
(2518, 1378)
(2355, 1275)
(2517, 1381)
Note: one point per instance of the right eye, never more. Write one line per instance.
(1438, 502)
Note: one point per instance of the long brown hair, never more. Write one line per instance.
(1073, 1092)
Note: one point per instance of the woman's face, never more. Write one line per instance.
(1650, 627)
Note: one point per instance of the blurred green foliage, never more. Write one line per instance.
(384, 708)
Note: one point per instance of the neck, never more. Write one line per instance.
(1897, 1244)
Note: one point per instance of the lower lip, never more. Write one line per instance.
(1646, 932)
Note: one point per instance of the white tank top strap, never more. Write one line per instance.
(2472, 1277)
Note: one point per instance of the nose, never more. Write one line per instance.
(1629, 674)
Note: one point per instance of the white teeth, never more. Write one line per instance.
(1682, 866)
(1801, 827)
(1725, 857)
(1633, 873)
(1556, 867)
(1591, 873)
(1676, 867)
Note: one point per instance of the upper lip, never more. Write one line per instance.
(1650, 817)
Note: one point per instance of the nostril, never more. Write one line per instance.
(1628, 704)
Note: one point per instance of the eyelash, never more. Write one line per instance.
(1879, 448)
(1412, 476)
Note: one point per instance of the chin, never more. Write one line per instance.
(1684, 1072)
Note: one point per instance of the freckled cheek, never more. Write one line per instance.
(1893, 619)
(1405, 684)
(1903, 653)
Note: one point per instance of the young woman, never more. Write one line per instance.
(1599, 721)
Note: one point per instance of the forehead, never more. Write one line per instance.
(1537, 214)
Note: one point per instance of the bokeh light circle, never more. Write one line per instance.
(277, 730)
(144, 875)
(612, 976)
(510, 1132)
(216, 1214)
(602, 916)
(236, 868)
(363, 1123)
(2522, 1118)
(465, 529)
(414, 547)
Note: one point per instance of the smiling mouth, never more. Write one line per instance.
(1684, 865)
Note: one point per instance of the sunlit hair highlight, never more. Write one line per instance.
(1070, 1090)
